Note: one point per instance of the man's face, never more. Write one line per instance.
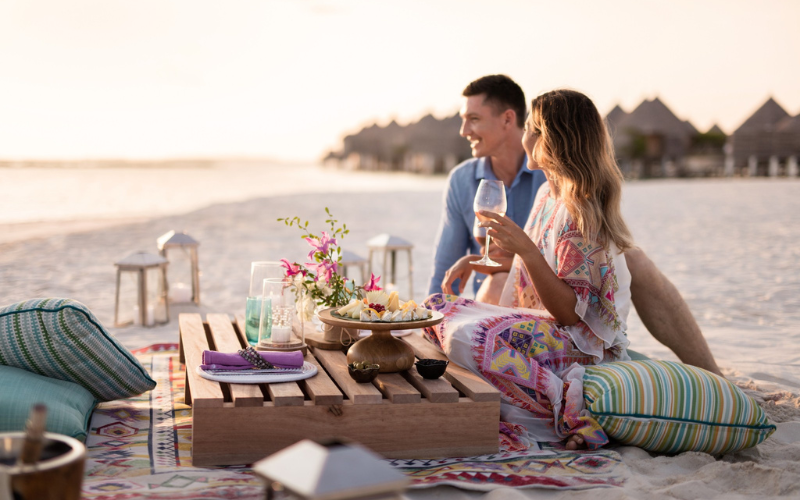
(483, 126)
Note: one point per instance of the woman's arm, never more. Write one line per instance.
(557, 296)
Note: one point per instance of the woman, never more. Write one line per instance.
(567, 296)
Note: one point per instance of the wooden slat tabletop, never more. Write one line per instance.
(320, 388)
(225, 340)
(336, 364)
(203, 392)
(464, 380)
(396, 389)
(436, 391)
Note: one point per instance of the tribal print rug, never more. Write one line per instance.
(140, 448)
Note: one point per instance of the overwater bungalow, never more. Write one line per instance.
(650, 141)
(428, 146)
(767, 143)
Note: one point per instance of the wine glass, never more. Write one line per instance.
(491, 196)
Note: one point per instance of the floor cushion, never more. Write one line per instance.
(61, 339)
(671, 408)
(69, 406)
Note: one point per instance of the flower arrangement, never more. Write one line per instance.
(323, 284)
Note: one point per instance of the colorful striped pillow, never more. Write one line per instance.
(61, 339)
(671, 408)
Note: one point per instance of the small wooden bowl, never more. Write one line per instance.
(363, 375)
(431, 368)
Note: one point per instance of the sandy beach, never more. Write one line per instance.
(732, 248)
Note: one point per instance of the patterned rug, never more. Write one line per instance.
(140, 448)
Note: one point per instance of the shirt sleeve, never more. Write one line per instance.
(453, 239)
(589, 269)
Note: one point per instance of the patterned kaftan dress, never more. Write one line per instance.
(534, 361)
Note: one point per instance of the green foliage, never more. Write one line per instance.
(335, 291)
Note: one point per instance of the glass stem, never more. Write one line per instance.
(486, 249)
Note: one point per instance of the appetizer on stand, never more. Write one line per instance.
(381, 312)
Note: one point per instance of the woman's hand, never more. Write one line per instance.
(557, 296)
(507, 234)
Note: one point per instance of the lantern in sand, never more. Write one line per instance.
(180, 250)
(351, 259)
(141, 296)
(329, 471)
(389, 245)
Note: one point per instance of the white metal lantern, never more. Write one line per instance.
(180, 250)
(389, 245)
(351, 259)
(329, 471)
(141, 297)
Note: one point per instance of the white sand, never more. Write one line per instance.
(759, 348)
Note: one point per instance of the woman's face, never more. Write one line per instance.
(530, 137)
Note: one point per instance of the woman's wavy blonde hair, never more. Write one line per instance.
(576, 150)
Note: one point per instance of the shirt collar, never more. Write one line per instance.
(484, 171)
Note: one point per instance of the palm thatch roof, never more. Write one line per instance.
(790, 125)
(764, 119)
(654, 117)
(613, 118)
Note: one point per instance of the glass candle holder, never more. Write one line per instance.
(277, 327)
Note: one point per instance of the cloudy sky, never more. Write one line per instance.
(287, 79)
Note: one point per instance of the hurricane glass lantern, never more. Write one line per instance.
(329, 471)
(281, 326)
(141, 297)
(180, 250)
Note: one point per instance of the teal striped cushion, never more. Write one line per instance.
(61, 339)
(69, 406)
(671, 408)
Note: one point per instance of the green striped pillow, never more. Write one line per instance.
(61, 339)
(671, 408)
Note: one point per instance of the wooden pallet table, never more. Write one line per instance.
(399, 415)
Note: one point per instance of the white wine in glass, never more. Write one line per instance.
(491, 196)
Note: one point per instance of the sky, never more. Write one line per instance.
(152, 79)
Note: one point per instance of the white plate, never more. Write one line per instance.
(308, 371)
(395, 333)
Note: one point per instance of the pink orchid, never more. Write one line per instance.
(324, 269)
(320, 245)
(292, 269)
(373, 283)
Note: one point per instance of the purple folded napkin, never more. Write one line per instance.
(213, 360)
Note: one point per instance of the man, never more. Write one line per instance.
(492, 120)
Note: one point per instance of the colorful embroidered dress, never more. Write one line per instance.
(520, 348)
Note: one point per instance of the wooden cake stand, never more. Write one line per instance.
(393, 354)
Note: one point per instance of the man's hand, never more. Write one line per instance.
(461, 270)
(504, 259)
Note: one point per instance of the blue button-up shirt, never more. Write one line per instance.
(455, 237)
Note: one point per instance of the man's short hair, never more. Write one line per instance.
(501, 92)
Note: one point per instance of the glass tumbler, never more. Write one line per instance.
(259, 271)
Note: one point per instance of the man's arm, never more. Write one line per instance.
(665, 314)
(453, 239)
